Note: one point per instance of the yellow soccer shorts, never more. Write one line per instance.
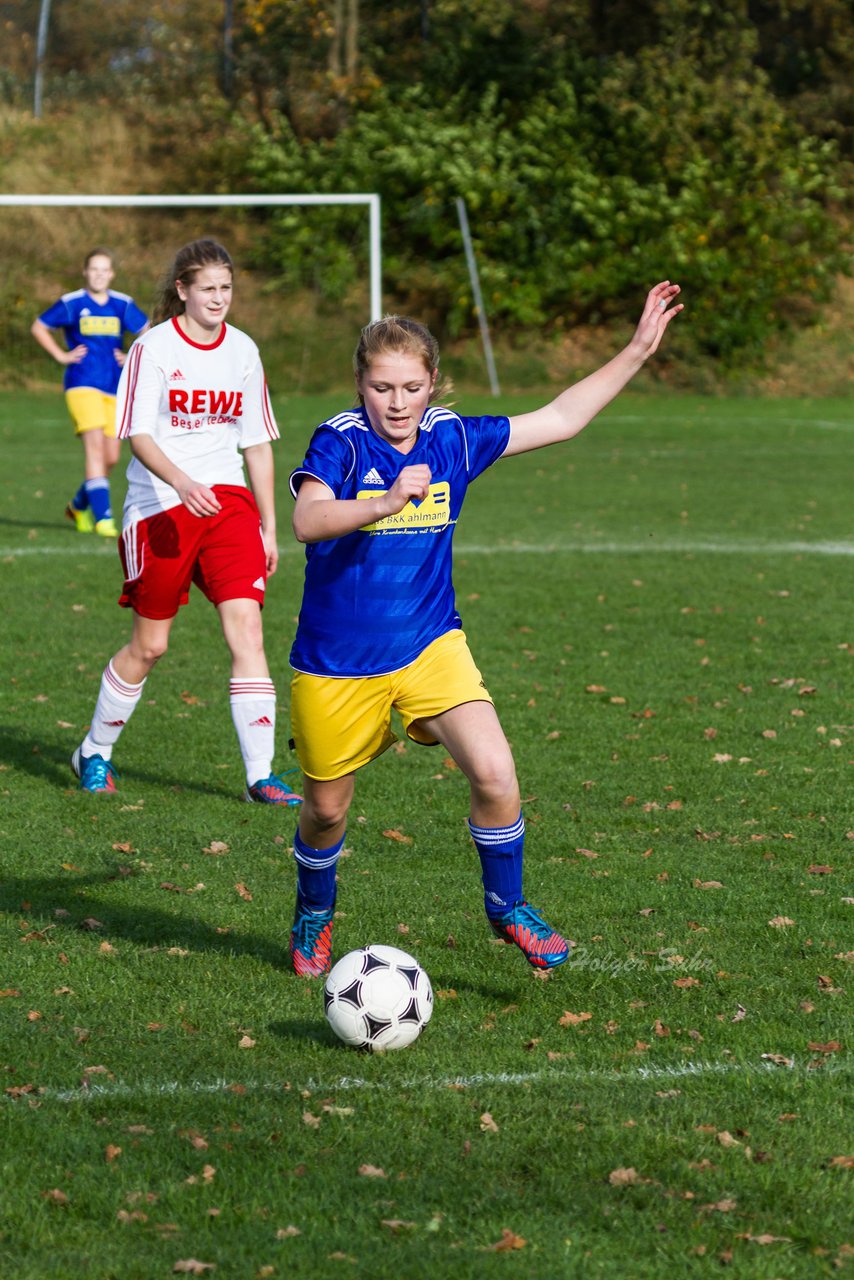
(91, 410)
(340, 723)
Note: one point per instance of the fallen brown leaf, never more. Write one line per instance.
(573, 1019)
(394, 834)
(509, 1240)
(55, 1196)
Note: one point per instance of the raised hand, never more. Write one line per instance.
(656, 316)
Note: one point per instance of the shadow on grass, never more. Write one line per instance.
(51, 763)
(143, 925)
(63, 525)
(300, 1030)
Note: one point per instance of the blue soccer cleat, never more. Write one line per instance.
(311, 942)
(272, 790)
(539, 943)
(96, 774)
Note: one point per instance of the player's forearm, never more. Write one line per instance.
(261, 469)
(577, 406)
(155, 460)
(322, 518)
(47, 341)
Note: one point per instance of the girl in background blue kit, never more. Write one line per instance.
(94, 321)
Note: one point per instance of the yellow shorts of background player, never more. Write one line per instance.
(91, 410)
(341, 723)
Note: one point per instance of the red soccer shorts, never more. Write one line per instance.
(223, 555)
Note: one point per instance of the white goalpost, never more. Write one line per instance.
(371, 199)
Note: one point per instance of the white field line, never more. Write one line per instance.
(667, 546)
(116, 1091)
(652, 545)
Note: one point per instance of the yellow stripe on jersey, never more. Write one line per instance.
(433, 513)
(100, 326)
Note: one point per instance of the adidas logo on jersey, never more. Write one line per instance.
(177, 376)
(373, 477)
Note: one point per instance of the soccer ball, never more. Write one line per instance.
(378, 998)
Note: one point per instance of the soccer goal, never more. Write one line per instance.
(45, 236)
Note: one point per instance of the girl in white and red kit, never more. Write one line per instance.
(191, 399)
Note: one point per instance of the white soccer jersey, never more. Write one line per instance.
(200, 404)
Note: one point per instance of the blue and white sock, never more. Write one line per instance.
(316, 874)
(501, 851)
(98, 491)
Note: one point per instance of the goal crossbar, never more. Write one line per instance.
(371, 199)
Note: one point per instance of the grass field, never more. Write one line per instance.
(662, 612)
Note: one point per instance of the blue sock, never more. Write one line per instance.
(501, 850)
(99, 498)
(316, 874)
(80, 501)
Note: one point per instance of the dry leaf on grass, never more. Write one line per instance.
(394, 834)
(570, 1019)
(487, 1124)
(509, 1240)
(192, 1267)
(371, 1171)
(765, 1238)
(55, 1196)
(781, 922)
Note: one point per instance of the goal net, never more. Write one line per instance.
(308, 270)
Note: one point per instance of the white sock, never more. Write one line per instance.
(253, 710)
(116, 702)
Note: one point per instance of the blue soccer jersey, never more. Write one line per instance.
(374, 599)
(100, 326)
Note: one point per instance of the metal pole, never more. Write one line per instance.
(478, 297)
(376, 259)
(41, 48)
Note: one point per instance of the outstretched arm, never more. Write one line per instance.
(571, 411)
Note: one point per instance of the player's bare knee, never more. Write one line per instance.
(494, 779)
(150, 652)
